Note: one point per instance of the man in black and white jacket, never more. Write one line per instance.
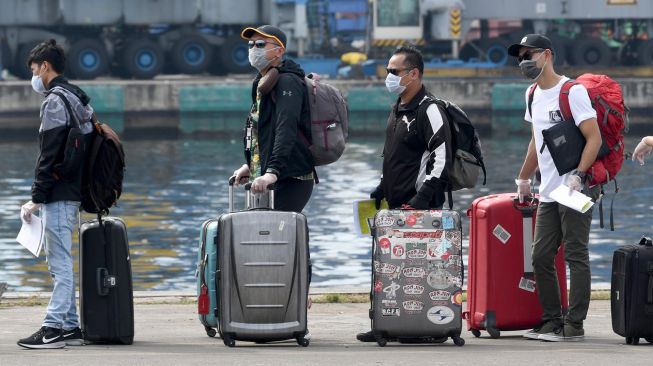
(416, 151)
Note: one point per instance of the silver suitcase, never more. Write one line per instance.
(263, 275)
(417, 276)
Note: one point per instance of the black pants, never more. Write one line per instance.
(292, 194)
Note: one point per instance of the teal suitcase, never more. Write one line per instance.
(206, 272)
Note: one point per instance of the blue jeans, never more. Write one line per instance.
(60, 220)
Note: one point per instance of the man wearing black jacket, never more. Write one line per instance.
(415, 154)
(57, 190)
(278, 127)
(416, 150)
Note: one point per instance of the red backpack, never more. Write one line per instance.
(612, 117)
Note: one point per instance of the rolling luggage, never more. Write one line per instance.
(106, 297)
(501, 287)
(632, 292)
(417, 276)
(262, 275)
(206, 270)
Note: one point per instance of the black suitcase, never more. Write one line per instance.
(106, 298)
(632, 292)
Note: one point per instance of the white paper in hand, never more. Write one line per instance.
(31, 235)
(575, 200)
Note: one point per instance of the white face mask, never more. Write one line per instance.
(37, 85)
(257, 57)
(393, 83)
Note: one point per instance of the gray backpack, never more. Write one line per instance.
(329, 121)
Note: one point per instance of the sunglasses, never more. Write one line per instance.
(528, 55)
(259, 44)
(396, 71)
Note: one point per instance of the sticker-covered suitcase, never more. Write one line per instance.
(262, 275)
(632, 292)
(417, 276)
(501, 287)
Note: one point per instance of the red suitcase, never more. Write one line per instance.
(501, 293)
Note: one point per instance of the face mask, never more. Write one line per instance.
(37, 85)
(257, 58)
(393, 83)
(530, 70)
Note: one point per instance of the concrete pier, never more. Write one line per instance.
(196, 106)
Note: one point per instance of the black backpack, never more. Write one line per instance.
(104, 168)
(464, 146)
(104, 171)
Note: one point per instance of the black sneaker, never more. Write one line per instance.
(73, 337)
(44, 338)
(366, 337)
(544, 328)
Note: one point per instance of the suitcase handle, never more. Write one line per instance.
(527, 207)
(248, 190)
(646, 242)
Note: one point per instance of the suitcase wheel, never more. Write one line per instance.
(229, 342)
(458, 341)
(476, 333)
(632, 340)
(493, 332)
(381, 342)
(210, 332)
(303, 341)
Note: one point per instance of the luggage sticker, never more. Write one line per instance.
(391, 290)
(413, 306)
(457, 298)
(281, 225)
(414, 272)
(411, 220)
(416, 250)
(384, 245)
(440, 295)
(384, 268)
(448, 223)
(378, 286)
(502, 234)
(439, 279)
(398, 251)
(390, 312)
(527, 284)
(389, 303)
(440, 315)
(453, 236)
(435, 213)
(413, 290)
(385, 221)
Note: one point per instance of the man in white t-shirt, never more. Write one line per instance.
(556, 223)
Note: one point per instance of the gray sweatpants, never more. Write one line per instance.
(556, 223)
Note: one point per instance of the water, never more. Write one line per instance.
(172, 186)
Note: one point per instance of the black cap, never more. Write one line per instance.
(531, 41)
(268, 31)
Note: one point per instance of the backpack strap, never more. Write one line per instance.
(531, 94)
(563, 99)
(68, 108)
